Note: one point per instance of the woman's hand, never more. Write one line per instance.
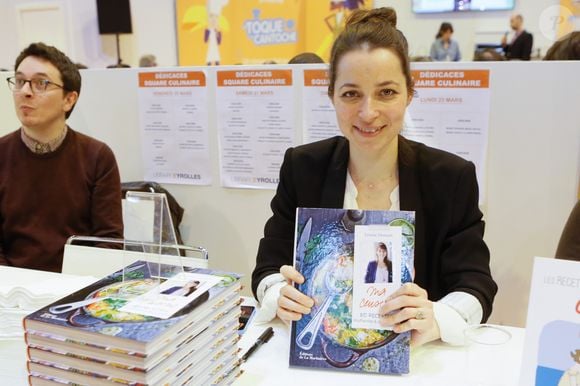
(292, 304)
(409, 309)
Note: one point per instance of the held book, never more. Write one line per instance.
(351, 260)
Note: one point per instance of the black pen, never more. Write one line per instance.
(266, 335)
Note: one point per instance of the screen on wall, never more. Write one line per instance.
(432, 6)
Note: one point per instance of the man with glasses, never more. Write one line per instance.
(54, 181)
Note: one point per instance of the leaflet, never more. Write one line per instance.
(377, 272)
(256, 124)
(174, 127)
(318, 115)
(450, 111)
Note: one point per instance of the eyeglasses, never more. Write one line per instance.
(38, 86)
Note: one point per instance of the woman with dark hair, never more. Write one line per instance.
(380, 270)
(370, 167)
(444, 48)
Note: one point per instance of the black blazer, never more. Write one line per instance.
(450, 254)
(521, 48)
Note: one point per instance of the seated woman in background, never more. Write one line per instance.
(372, 167)
(443, 48)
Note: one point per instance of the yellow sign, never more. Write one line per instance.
(325, 20)
(214, 32)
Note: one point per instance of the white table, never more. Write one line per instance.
(13, 351)
(434, 364)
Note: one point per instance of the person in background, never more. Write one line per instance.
(148, 61)
(566, 48)
(306, 57)
(444, 48)
(54, 181)
(520, 46)
(371, 166)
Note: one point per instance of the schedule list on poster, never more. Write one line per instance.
(256, 125)
(318, 114)
(174, 123)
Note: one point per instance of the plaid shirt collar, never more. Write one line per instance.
(41, 147)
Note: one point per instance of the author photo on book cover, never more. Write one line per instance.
(371, 166)
(380, 268)
(182, 290)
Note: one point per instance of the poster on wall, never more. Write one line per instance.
(227, 32)
(450, 111)
(318, 115)
(256, 124)
(174, 127)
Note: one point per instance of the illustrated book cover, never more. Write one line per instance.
(351, 260)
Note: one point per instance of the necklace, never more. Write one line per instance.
(376, 183)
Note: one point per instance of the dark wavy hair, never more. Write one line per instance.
(445, 26)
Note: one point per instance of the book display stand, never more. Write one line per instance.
(149, 225)
(149, 236)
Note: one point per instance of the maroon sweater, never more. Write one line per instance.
(45, 198)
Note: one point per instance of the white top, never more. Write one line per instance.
(453, 313)
(351, 192)
(382, 275)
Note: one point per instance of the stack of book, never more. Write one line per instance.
(144, 325)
